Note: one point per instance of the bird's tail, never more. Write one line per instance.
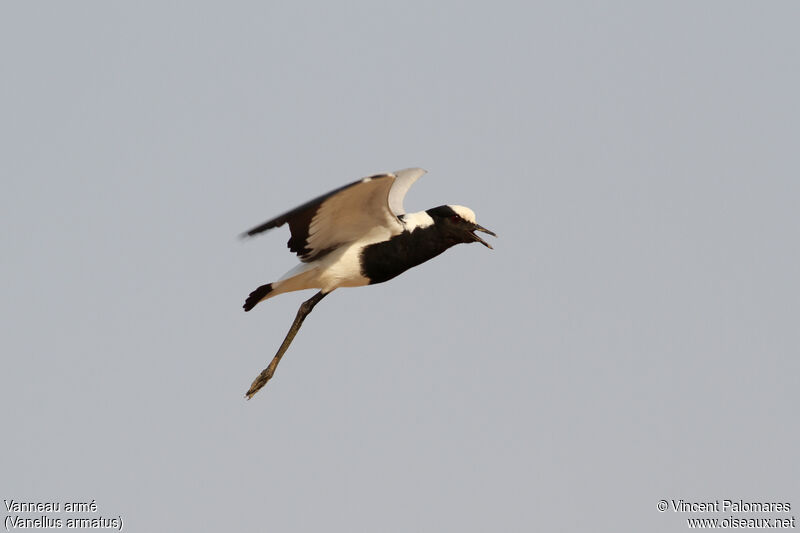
(256, 296)
(303, 276)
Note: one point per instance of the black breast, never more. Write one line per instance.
(384, 260)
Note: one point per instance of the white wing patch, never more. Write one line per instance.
(352, 213)
(403, 181)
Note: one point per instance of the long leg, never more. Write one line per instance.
(302, 313)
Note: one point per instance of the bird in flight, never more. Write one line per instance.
(357, 235)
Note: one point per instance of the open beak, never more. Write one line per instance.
(484, 230)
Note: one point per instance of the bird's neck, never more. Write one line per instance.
(383, 261)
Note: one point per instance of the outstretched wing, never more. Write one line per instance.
(345, 214)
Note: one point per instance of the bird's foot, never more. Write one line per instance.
(262, 379)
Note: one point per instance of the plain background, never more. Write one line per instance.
(633, 336)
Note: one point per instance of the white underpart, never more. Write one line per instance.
(296, 271)
(413, 221)
(464, 212)
(340, 268)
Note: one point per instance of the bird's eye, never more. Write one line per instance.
(455, 218)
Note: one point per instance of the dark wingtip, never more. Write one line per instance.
(253, 231)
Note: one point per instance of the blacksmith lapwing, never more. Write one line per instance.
(357, 235)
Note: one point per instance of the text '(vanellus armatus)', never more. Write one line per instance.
(358, 235)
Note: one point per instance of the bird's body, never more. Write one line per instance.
(358, 235)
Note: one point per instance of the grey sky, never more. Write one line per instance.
(633, 336)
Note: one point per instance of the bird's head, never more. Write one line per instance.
(457, 224)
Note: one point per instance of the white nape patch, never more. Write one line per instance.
(413, 221)
(464, 212)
